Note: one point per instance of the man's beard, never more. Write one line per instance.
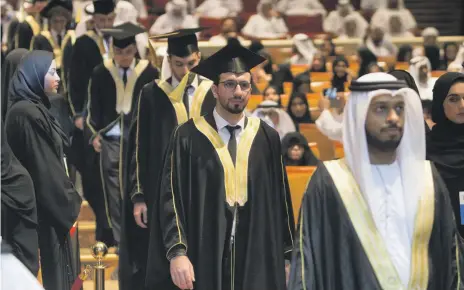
(233, 109)
(385, 146)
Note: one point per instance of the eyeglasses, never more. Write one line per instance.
(231, 85)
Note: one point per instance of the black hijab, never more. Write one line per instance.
(407, 77)
(367, 57)
(432, 52)
(9, 68)
(306, 118)
(17, 186)
(446, 59)
(445, 143)
(323, 66)
(339, 82)
(402, 53)
(295, 138)
(28, 84)
(302, 79)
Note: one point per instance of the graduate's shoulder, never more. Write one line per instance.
(268, 130)
(186, 129)
(321, 184)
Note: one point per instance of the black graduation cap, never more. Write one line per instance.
(231, 58)
(56, 3)
(182, 42)
(124, 34)
(104, 7)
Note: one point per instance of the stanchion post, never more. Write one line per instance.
(99, 251)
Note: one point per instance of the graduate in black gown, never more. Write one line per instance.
(163, 106)
(88, 52)
(26, 26)
(445, 143)
(58, 39)
(37, 141)
(225, 208)
(381, 217)
(114, 90)
(19, 210)
(8, 69)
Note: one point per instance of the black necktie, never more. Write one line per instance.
(58, 37)
(232, 146)
(124, 75)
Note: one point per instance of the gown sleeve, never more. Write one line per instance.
(55, 193)
(23, 35)
(94, 105)
(172, 217)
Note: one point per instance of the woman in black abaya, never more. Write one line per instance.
(445, 143)
(8, 69)
(37, 141)
(296, 151)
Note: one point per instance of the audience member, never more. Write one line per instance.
(302, 83)
(382, 16)
(301, 7)
(404, 53)
(366, 57)
(272, 113)
(330, 120)
(328, 47)
(379, 43)
(271, 93)
(298, 109)
(303, 50)
(420, 69)
(229, 29)
(396, 27)
(296, 151)
(319, 63)
(450, 51)
(344, 21)
(219, 8)
(176, 17)
(341, 76)
(267, 23)
(372, 5)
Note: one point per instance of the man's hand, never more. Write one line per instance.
(79, 123)
(140, 214)
(287, 273)
(97, 144)
(182, 272)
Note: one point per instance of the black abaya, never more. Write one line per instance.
(11, 63)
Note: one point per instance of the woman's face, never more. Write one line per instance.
(340, 69)
(317, 62)
(451, 52)
(52, 79)
(271, 95)
(374, 68)
(295, 152)
(298, 107)
(454, 103)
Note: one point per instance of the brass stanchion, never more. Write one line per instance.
(99, 251)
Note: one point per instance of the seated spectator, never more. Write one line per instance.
(302, 83)
(266, 24)
(271, 113)
(382, 16)
(404, 53)
(330, 120)
(459, 60)
(352, 28)
(301, 7)
(345, 21)
(272, 94)
(450, 51)
(380, 44)
(303, 50)
(263, 72)
(430, 39)
(420, 69)
(432, 52)
(427, 109)
(328, 47)
(374, 67)
(372, 5)
(298, 109)
(219, 8)
(366, 58)
(341, 76)
(319, 63)
(296, 151)
(229, 28)
(281, 73)
(455, 67)
(175, 18)
(397, 28)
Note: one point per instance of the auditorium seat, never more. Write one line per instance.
(318, 87)
(298, 179)
(288, 86)
(324, 144)
(214, 25)
(438, 73)
(321, 76)
(313, 99)
(309, 25)
(402, 65)
(297, 69)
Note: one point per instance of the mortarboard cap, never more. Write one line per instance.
(182, 42)
(56, 3)
(124, 34)
(104, 7)
(231, 58)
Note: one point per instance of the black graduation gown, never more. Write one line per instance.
(23, 32)
(86, 55)
(329, 253)
(38, 145)
(151, 131)
(197, 203)
(106, 87)
(19, 209)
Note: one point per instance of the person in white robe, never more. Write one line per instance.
(380, 44)
(381, 17)
(176, 17)
(430, 37)
(373, 5)
(420, 69)
(330, 121)
(266, 23)
(396, 27)
(352, 29)
(335, 21)
(126, 12)
(301, 7)
(229, 28)
(219, 8)
(303, 49)
(276, 117)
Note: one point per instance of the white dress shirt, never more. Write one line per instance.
(387, 205)
(191, 91)
(224, 132)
